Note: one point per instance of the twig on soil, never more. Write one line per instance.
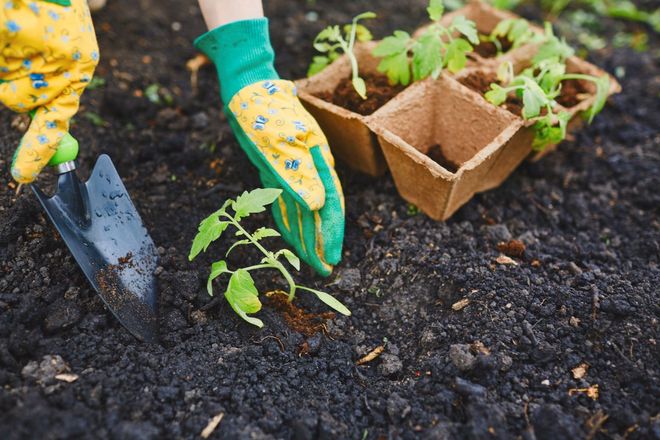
(595, 424)
(372, 355)
(214, 302)
(213, 423)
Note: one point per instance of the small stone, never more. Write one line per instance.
(62, 314)
(398, 408)
(200, 120)
(467, 388)
(498, 233)
(349, 280)
(505, 362)
(46, 371)
(461, 357)
(390, 364)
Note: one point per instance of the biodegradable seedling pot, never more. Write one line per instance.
(474, 136)
(348, 133)
(486, 18)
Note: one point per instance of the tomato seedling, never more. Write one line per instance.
(331, 42)
(538, 86)
(241, 292)
(516, 30)
(438, 47)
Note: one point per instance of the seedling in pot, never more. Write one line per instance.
(241, 292)
(331, 41)
(538, 87)
(438, 47)
(516, 32)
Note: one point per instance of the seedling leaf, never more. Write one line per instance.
(290, 257)
(456, 58)
(263, 232)
(496, 95)
(235, 245)
(360, 87)
(217, 269)
(243, 296)
(602, 89)
(397, 69)
(209, 230)
(329, 300)
(426, 60)
(435, 9)
(393, 45)
(467, 28)
(255, 201)
(319, 63)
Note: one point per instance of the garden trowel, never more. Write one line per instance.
(104, 232)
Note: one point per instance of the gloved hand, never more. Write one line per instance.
(48, 53)
(281, 139)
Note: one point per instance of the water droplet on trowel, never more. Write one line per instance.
(98, 213)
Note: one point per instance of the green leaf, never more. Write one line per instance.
(362, 33)
(254, 201)
(392, 45)
(360, 87)
(209, 231)
(396, 68)
(533, 99)
(290, 257)
(496, 95)
(243, 296)
(331, 34)
(550, 132)
(151, 92)
(217, 269)
(319, 63)
(427, 56)
(237, 244)
(467, 28)
(263, 232)
(329, 300)
(505, 72)
(455, 55)
(365, 16)
(435, 9)
(602, 90)
(502, 28)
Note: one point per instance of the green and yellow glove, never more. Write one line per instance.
(48, 53)
(281, 139)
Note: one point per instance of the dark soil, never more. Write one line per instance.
(572, 93)
(379, 93)
(487, 49)
(436, 153)
(473, 348)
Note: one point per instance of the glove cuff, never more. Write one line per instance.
(242, 54)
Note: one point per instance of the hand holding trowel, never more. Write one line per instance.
(45, 74)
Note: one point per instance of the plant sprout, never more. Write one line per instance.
(331, 40)
(438, 47)
(538, 86)
(516, 30)
(241, 292)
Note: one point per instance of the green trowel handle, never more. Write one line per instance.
(67, 151)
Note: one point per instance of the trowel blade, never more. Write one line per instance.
(101, 227)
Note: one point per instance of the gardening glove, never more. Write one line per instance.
(281, 139)
(48, 53)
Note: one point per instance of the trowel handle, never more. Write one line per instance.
(67, 151)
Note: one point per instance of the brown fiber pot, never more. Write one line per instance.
(473, 134)
(348, 133)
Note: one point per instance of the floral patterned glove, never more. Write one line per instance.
(281, 139)
(48, 53)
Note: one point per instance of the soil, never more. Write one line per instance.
(480, 83)
(379, 93)
(487, 49)
(584, 292)
(436, 153)
(572, 93)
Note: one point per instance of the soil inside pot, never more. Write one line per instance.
(436, 153)
(488, 49)
(299, 320)
(379, 93)
(572, 93)
(480, 82)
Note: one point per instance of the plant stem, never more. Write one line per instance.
(579, 76)
(272, 261)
